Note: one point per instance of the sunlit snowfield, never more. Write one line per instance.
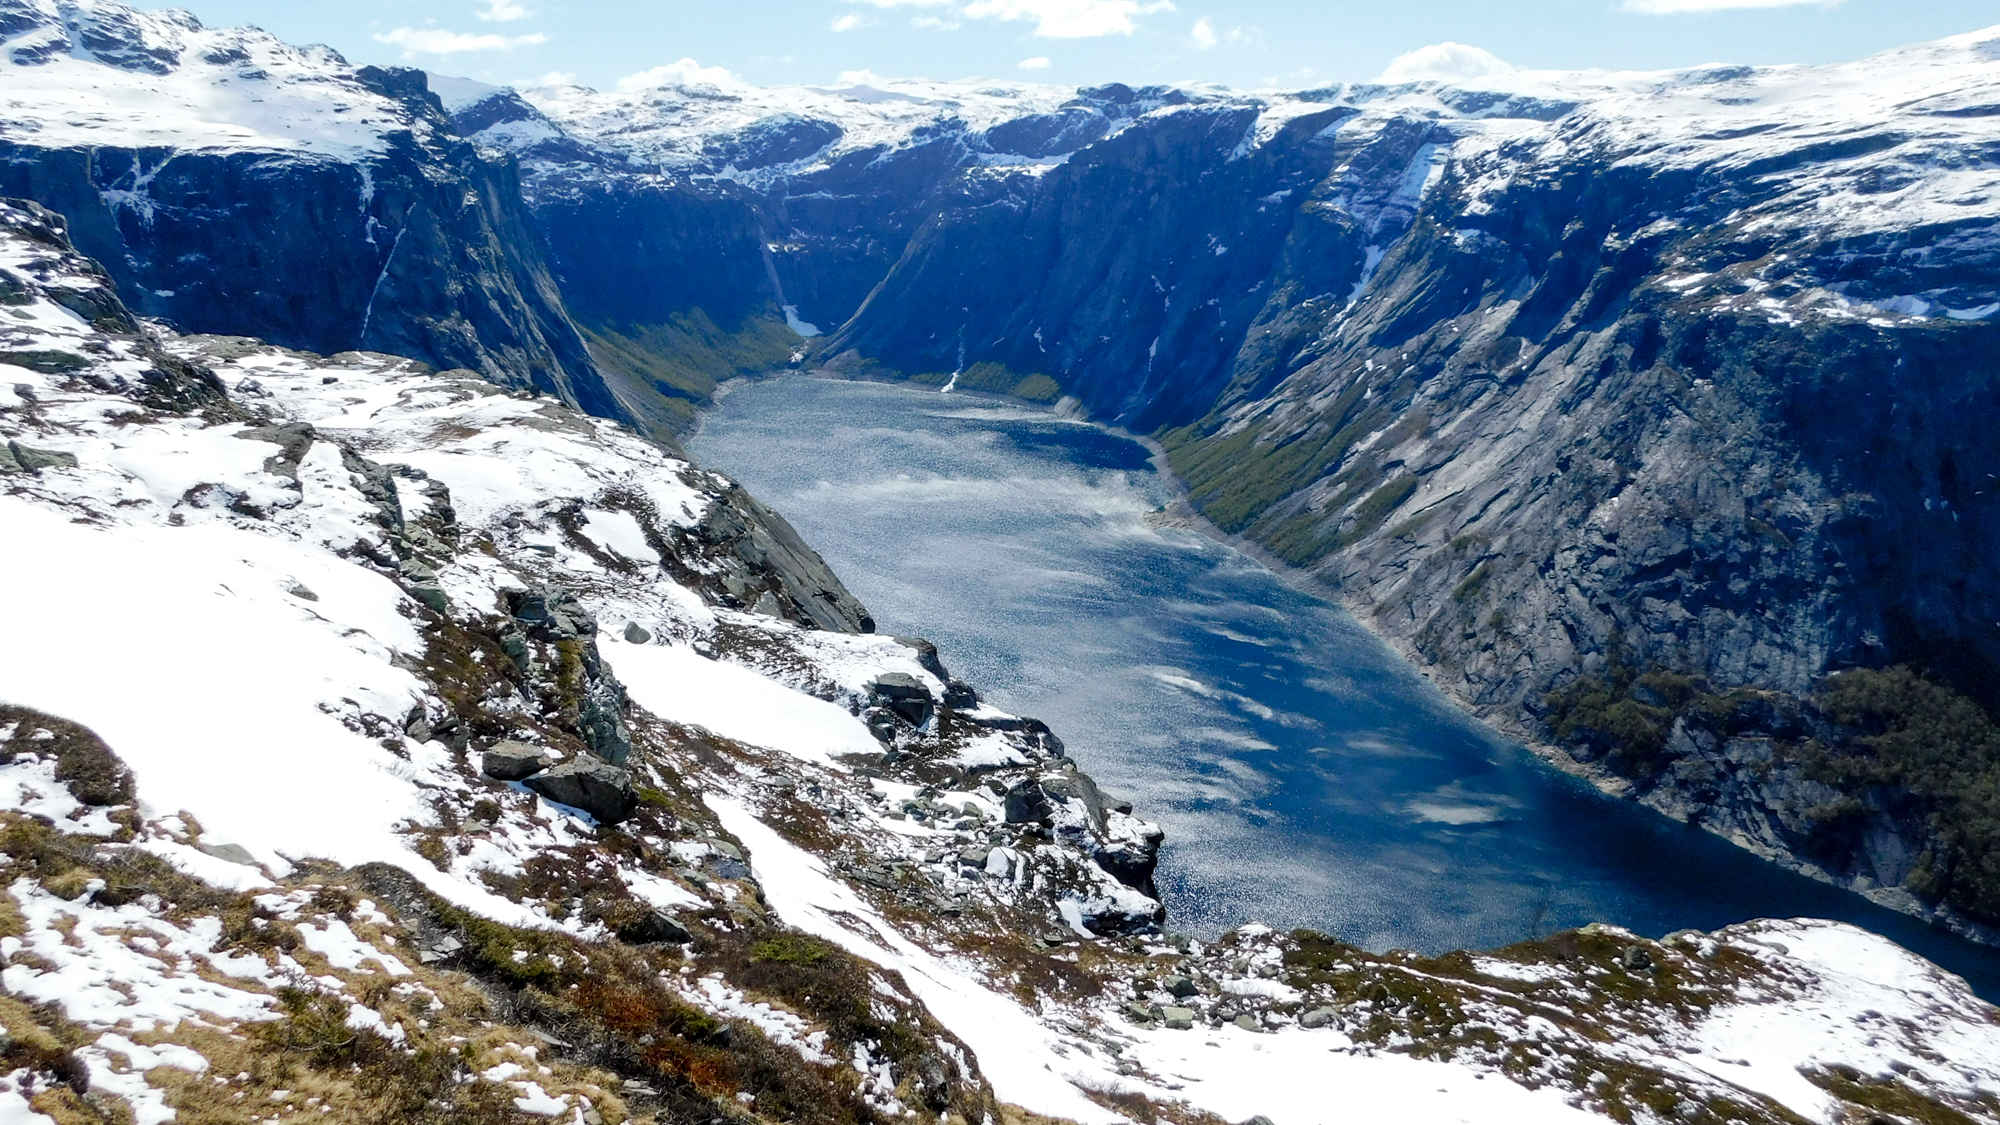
(1305, 776)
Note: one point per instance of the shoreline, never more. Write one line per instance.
(1181, 514)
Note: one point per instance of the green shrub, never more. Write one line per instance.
(1907, 733)
(1038, 388)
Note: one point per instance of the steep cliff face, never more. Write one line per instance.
(232, 183)
(700, 230)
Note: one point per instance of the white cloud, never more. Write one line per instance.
(848, 22)
(503, 11)
(437, 41)
(1443, 62)
(932, 23)
(1204, 37)
(552, 78)
(686, 72)
(1053, 19)
(1676, 7)
(1039, 62)
(861, 78)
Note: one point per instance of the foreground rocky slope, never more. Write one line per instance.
(382, 745)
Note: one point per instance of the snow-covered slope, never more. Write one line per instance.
(111, 75)
(309, 611)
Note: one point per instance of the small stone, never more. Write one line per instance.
(634, 634)
(654, 926)
(514, 761)
(1179, 1019)
(975, 857)
(233, 853)
(1247, 1022)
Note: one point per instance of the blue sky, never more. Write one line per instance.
(1243, 43)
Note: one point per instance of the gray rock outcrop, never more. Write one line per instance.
(513, 761)
(598, 788)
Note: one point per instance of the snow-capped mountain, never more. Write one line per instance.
(392, 747)
(233, 183)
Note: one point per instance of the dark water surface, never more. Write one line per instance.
(1305, 775)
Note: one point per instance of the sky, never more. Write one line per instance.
(1248, 44)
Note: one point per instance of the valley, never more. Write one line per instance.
(404, 717)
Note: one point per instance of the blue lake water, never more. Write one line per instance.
(1305, 775)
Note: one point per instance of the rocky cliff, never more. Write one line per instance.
(233, 183)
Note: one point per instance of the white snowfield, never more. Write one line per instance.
(100, 74)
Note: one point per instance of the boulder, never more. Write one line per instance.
(634, 634)
(1179, 1019)
(422, 583)
(550, 612)
(1182, 987)
(1247, 1022)
(654, 926)
(232, 853)
(768, 604)
(35, 460)
(904, 694)
(598, 788)
(1026, 803)
(293, 439)
(927, 654)
(513, 761)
